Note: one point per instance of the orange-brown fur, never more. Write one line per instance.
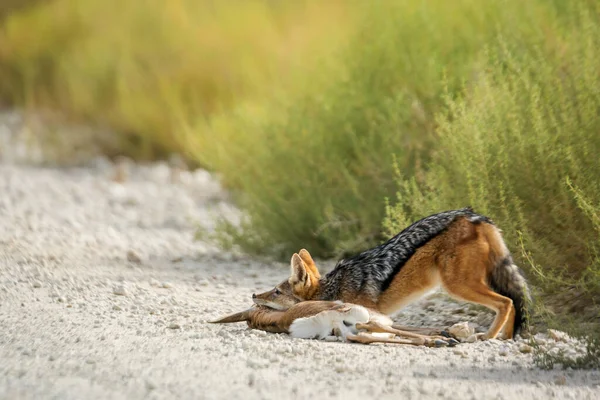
(275, 321)
(461, 259)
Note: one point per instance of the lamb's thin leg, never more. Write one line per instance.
(436, 341)
(366, 338)
(424, 330)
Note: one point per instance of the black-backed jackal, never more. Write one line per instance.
(460, 250)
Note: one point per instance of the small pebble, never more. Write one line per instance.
(461, 330)
(120, 290)
(525, 348)
(503, 351)
(560, 380)
(167, 285)
(133, 257)
(174, 325)
(471, 339)
(37, 284)
(256, 364)
(558, 335)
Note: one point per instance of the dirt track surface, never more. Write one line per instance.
(104, 294)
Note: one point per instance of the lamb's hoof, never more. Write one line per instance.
(452, 342)
(440, 343)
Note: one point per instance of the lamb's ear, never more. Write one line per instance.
(299, 278)
(310, 264)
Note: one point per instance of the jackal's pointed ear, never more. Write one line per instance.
(310, 264)
(299, 278)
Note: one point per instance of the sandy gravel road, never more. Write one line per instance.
(104, 294)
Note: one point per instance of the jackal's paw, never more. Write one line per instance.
(504, 336)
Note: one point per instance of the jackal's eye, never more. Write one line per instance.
(277, 291)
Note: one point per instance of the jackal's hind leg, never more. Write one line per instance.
(465, 276)
(479, 292)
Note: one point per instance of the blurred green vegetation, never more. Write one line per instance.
(314, 167)
(521, 144)
(314, 113)
(148, 68)
(8, 7)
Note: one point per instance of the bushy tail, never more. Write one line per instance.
(507, 279)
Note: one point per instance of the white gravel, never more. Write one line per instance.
(104, 294)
